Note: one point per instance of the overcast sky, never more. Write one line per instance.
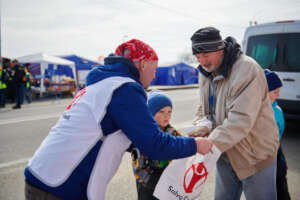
(92, 28)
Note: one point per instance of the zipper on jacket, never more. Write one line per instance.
(212, 101)
(212, 94)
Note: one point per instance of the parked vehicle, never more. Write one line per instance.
(276, 46)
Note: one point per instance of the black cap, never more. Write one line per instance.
(207, 39)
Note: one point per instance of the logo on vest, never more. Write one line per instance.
(76, 99)
(194, 177)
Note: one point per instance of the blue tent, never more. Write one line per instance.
(80, 62)
(177, 74)
(61, 70)
(82, 65)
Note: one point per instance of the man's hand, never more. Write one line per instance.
(202, 131)
(203, 145)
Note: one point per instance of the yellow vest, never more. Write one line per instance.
(2, 84)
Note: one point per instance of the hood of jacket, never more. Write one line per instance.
(113, 66)
(232, 52)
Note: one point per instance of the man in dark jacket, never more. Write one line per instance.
(19, 80)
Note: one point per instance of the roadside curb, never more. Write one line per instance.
(172, 87)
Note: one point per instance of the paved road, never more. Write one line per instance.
(21, 132)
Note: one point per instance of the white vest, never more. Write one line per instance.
(75, 134)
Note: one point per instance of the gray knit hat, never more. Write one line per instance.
(207, 39)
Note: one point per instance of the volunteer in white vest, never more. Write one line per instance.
(85, 147)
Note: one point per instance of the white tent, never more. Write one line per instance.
(44, 61)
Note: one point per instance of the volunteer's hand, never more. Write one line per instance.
(202, 131)
(203, 145)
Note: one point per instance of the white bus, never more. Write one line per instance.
(276, 46)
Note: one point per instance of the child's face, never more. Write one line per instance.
(274, 94)
(163, 116)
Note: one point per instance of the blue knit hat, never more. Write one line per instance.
(273, 80)
(158, 100)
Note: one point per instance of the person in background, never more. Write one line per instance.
(84, 149)
(3, 86)
(27, 83)
(234, 97)
(19, 80)
(11, 85)
(275, 84)
(147, 171)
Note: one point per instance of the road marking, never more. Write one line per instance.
(25, 160)
(12, 163)
(29, 118)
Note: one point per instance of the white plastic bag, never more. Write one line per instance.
(184, 179)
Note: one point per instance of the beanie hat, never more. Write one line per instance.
(273, 80)
(207, 39)
(136, 50)
(158, 100)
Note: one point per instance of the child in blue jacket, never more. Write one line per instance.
(275, 84)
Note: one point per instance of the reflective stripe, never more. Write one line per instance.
(28, 79)
(2, 84)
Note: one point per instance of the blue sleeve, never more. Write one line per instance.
(128, 109)
(280, 122)
(279, 118)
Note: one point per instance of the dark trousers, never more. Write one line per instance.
(281, 180)
(20, 90)
(2, 97)
(28, 95)
(34, 193)
(144, 193)
(11, 92)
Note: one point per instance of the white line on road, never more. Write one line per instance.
(25, 160)
(12, 163)
(29, 118)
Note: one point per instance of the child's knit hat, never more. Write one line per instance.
(158, 100)
(273, 80)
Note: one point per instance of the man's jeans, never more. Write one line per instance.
(260, 186)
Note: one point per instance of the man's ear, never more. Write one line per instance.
(142, 65)
(138, 65)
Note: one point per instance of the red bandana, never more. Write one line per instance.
(136, 50)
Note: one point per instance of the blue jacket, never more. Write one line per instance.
(127, 111)
(132, 115)
(279, 118)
